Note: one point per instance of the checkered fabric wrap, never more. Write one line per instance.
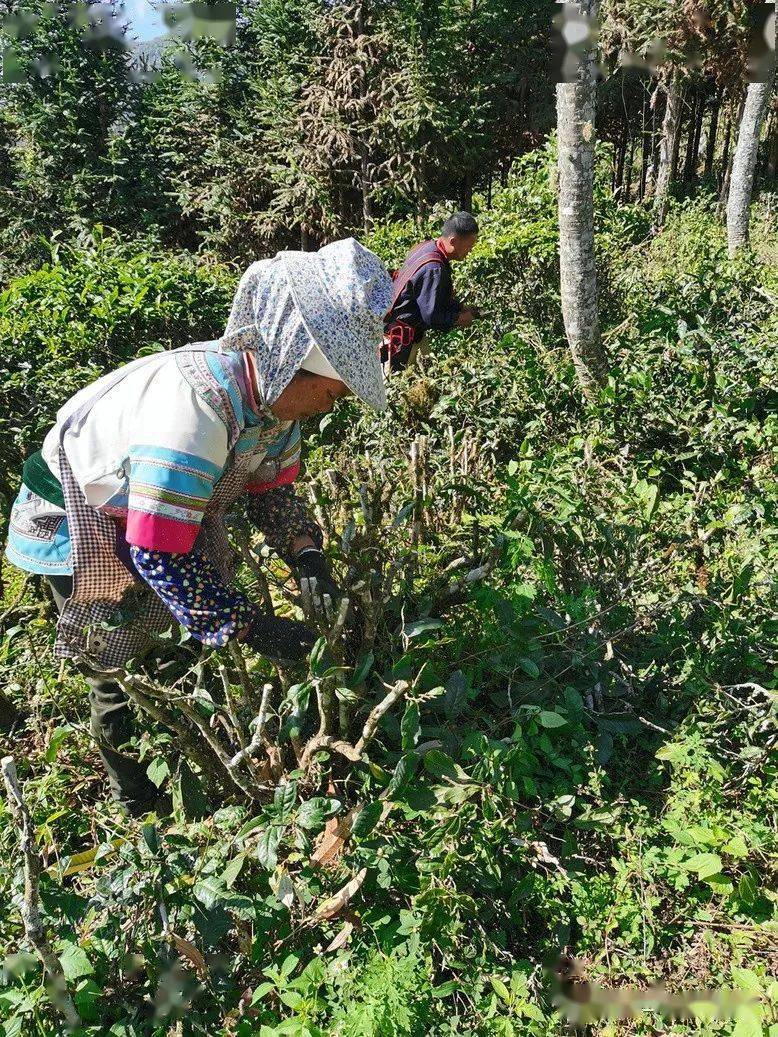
(109, 617)
(105, 591)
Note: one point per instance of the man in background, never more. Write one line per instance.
(424, 293)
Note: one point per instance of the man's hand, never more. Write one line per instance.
(465, 317)
(312, 564)
(282, 640)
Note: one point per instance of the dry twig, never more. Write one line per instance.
(30, 906)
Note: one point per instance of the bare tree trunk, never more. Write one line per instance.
(655, 142)
(667, 149)
(725, 153)
(742, 179)
(645, 148)
(713, 129)
(466, 192)
(772, 154)
(578, 270)
(689, 157)
(728, 156)
(627, 186)
(8, 713)
(675, 160)
(618, 168)
(421, 187)
(695, 134)
(367, 211)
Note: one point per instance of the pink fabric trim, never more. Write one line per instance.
(288, 475)
(157, 533)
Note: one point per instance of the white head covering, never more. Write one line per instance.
(317, 363)
(334, 300)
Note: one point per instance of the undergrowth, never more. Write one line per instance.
(587, 759)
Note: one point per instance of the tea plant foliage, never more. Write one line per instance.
(571, 603)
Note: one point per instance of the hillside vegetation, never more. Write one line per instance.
(586, 756)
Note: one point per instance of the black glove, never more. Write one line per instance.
(283, 640)
(312, 564)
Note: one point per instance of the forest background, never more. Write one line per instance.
(559, 551)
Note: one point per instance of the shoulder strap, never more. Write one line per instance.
(404, 275)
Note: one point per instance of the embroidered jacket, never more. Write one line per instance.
(149, 455)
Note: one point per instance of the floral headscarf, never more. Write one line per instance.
(335, 298)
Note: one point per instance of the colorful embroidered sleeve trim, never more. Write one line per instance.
(160, 534)
(168, 494)
(284, 478)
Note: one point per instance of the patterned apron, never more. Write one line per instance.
(111, 615)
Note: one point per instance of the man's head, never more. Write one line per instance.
(459, 234)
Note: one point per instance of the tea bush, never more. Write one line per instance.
(94, 306)
(587, 754)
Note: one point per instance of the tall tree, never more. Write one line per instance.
(668, 148)
(683, 45)
(578, 269)
(64, 112)
(744, 163)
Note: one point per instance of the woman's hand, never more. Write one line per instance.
(311, 564)
(282, 640)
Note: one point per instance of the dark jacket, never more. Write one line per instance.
(427, 301)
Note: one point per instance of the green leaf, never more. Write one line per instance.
(704, 864)
(445, 989)
(209, 891)
(260, 992)
(440, 765)
(158, 770)
(500, 989)
(74, 960)
(250, 825)
(367, 819)
(672, 753)
(318, 661)
(748, 1021)
(363, 668)
(456, 695)
(284, 798)
(194, 801)
(151, 838)
(529, 666)
(313, 812)
(88, 998)
(647, 495)
(57, 737)
(421, 626)
(403, 772)
(546, 718)
(410, 727)
(267, 846)
(231, 872)
(747, 979)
